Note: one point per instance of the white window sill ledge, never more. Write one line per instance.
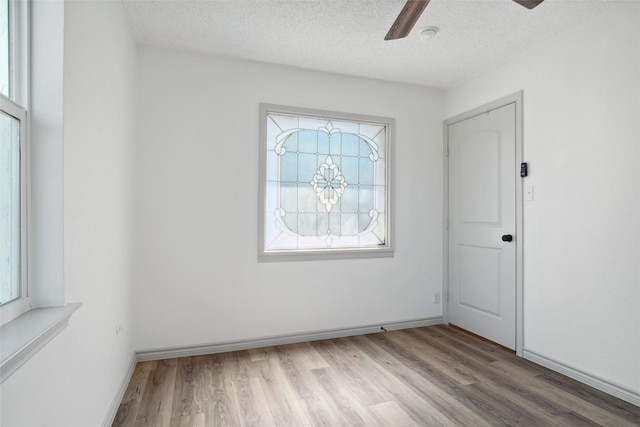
(26, 335)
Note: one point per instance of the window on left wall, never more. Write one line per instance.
(14, 141)
(32, 309)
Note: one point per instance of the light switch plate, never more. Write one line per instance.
(528, 193)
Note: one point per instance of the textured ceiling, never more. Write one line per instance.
(347, 36)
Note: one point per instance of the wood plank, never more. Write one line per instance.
(324, 412)
(439, 361)
(190, 420)
(220, 407)
(298, 377)
(419, 406)
(128, 409)
(286, 408)
(347, 401)
(460, 411)
(508, 376)
(309, 356)
(187, 399)
(602, 400)
(251, 404)
(340, 355)
(490, 373)
(261, 353)
(434, 375)
(157, 400)
(390, 413)
(441, 383)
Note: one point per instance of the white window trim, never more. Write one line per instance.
(20, 76)
(26, 335)
(333, 253)
(47, 315)
(17, 106)
(23, 304)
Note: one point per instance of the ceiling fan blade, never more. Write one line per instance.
(529, 4)
(407, 19)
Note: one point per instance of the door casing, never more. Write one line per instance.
(519, 241)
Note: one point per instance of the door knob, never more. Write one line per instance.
(507, 238)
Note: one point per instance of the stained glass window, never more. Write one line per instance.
(326, 184)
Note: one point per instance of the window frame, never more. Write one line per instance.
(386, 250)
(41, 88)
(19, 52)
(17, 106)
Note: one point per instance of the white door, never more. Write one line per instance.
(482, 220)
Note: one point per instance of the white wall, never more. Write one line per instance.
(74, 379)
(197, 276)
(582, 231)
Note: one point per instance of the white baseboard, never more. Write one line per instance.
(115, 404)
(608, 387)
(222, 347)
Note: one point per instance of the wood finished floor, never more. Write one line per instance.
(427, 376)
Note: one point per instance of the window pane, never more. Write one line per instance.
(9, 208)
(4, 48)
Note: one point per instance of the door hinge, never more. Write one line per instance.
(446, 149)
(446, 223)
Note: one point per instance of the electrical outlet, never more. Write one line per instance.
(436, 298)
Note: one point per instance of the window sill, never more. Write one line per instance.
(26, 335)
(313, 255)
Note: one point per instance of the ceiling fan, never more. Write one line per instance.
(414, 8)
